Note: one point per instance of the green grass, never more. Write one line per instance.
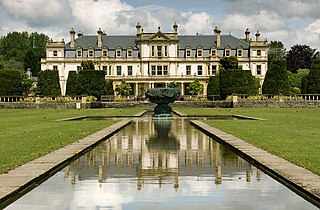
(293, 134)
(26, 134)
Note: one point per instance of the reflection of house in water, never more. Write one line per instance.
(155, 152)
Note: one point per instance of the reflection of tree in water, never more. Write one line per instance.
(163, 139)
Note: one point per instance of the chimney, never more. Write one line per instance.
(138, 27)
(100, 32)
(72, 37)
(175, 28)
(247, 33)
(217, 32)
(257, 36)
(80, 34)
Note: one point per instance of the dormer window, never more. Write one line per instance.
(129, 53)
(90, 53)
(79, 52)
(55, 53)
(188, 52)
(199, 52)
(118, 53)
(213, 52)
(227, 52)
(240, 52)
(104, 53)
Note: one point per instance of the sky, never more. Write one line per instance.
(289, 21)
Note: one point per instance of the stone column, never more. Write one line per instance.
(182, 89)
(136, 89)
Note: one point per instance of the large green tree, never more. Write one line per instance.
(48, 83)
(10, 83)
(276, 81)
(195, 88)
(310, 84)
(124, 89)
(26, 48)
(92, 83)
(213, 87)
(299, 57)
(276, 51)
(229, 63)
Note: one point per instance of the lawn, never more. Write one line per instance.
(293, 134)
(26, 134)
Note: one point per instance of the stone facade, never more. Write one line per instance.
(148, 60)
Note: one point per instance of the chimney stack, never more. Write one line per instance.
(257, 36)
(100, 32)
(247, 33)
(217, 32)
(175, 28)
(72, 37)
(138, 27)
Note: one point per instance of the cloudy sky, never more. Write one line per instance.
(289, 21)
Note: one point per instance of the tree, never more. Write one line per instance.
(229, 63)
(48, 83)
(72, 88)
(299, 57)
(124, 89)
(92, 83)
(237, 81)
(11, 64)
(195, 88)
(310, 84)
(87, 65)
(276, 81)
(213, 87)
(295, 79)
(276, 51)
(25, 48)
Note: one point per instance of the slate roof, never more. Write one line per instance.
(194, 41)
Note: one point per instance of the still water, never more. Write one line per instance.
(160, 164)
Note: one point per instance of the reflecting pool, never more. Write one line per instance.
(160, 164)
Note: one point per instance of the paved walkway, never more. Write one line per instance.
(298, 179)
(19, 181)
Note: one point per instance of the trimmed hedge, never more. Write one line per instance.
(10, 83)
(48, 83)
(236, 81)
(213, 87)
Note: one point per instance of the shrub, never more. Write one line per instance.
(48, 83)
(72, 84)
(213, 87)
(10, 83)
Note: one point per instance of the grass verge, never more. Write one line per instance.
(26, 134)
(293, 134)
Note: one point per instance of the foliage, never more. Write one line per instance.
(276, 80)
(10, 83)
(195, 88)
(213, 87)
(92, 82)
(124, 89)
(10, 64)
(236, 81)
(87, 65)
(72, 84)
(25, 48)
(299, 57)
(48, 83)
(311, 83)
(229, 63)
(276, 51)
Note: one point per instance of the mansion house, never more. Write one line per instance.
(148, 60)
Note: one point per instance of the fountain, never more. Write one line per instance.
(162, 97)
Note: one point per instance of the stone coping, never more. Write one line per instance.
(242, 117)
(24, 178)
(298, 179)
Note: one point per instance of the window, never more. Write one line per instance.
(104, 53)
(55, 67)
(227, 53)
(213, 69)
(110, 70)
(79, 53)
(213, 52)
(159, 70)
(258, 69)
(166, 51)
(152, 51)
(188, 70)
(90, 53)
(165, 70)
(129, 53)
(55, 53)
(130, 70)
(199, 70)
(153, 70)
(199, 53)
(188, 52)
(105, 69)
(118, 53)
(159, 51)
(119, 70)
(239, 53)
(258, 52)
